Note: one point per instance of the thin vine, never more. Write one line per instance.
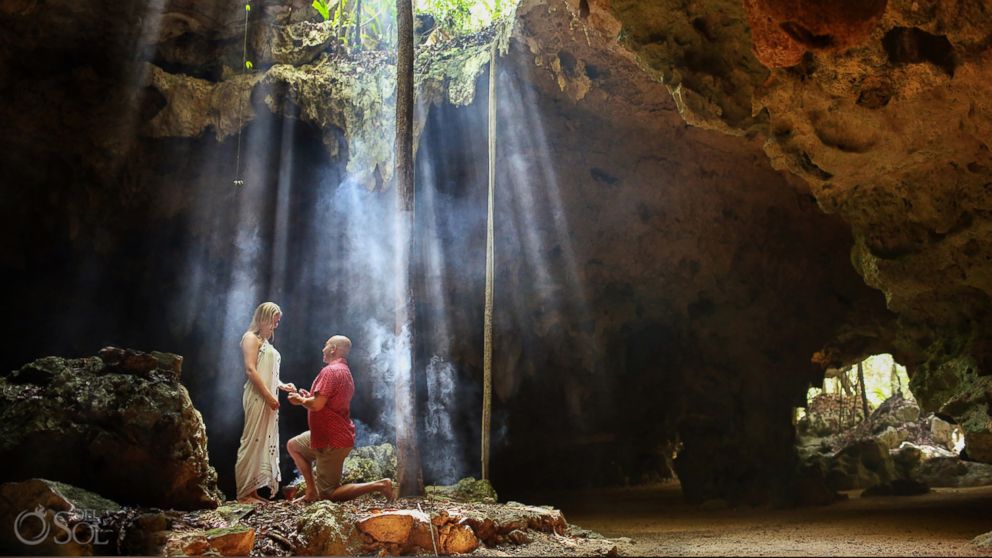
(246, 65)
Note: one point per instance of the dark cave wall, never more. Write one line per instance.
(883, 109)
(710, 282)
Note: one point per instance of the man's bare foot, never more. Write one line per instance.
(307, 498)
(387, 490)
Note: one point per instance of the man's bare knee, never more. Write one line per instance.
(293, 446)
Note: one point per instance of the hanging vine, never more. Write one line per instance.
(246, 65)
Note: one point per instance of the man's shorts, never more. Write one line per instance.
(330, 461)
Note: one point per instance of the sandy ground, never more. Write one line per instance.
(659, 523)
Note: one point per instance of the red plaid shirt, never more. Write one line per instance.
(331, 427)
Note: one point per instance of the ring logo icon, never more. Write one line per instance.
(24, 518)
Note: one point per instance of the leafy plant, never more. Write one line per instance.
(465, 16)
(323, 8)
(372, 23)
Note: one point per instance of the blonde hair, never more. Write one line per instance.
(264, 314)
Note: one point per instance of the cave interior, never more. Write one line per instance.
(701, 211)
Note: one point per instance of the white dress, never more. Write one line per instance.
(258, 455)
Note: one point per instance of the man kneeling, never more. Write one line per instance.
(332, 433)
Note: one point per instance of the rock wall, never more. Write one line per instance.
(692, 271)
(881, 107)
(120, 424)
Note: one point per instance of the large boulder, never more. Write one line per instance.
(370, 463)
(953, 472)
(466, 490)
(861, 465)
(120, 424)
(43, 517)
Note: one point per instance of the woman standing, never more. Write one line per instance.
(258, 455)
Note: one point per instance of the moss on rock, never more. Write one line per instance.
(370, 463)
(467, 489)
(326, 530)
(121, 430)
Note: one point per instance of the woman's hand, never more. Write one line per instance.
(295, 398)
(288, 387)
(273, 403)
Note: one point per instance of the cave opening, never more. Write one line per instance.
(863, 429)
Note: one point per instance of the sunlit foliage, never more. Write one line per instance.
(883, 378)
(371, 24)
(464, 16)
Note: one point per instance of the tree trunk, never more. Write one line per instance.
(408, 471)
(487, 351)
(894, 381)
(358, 26)
(864, 389)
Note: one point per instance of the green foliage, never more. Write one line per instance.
(376, 20)
(323, 8)
(461, 17)
(371, 24)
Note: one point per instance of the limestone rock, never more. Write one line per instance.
(236, 540)
(404, 529)
(370, 463)
(883, 108)
(895, 411)
(327, 531)
(467, 489)
(126, 429)
(301, 42)
(945, 434)
(954, 472)
(231, 541)
(193, 104)
(926, 451)
(496, 525)
(861, 465)
(783, 30)
(892, 437)
(458, 538)
(518, 537)
(455, 532)
(704, 48)
(53, 517)
(983, 541)
(344, 93)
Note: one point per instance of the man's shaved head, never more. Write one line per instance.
(339, 345)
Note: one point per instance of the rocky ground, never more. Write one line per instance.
(283, 528)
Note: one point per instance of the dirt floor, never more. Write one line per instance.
(659, 523)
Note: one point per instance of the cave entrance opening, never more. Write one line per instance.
(870, 399)
(863, 429)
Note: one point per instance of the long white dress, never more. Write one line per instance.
(258, 455)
